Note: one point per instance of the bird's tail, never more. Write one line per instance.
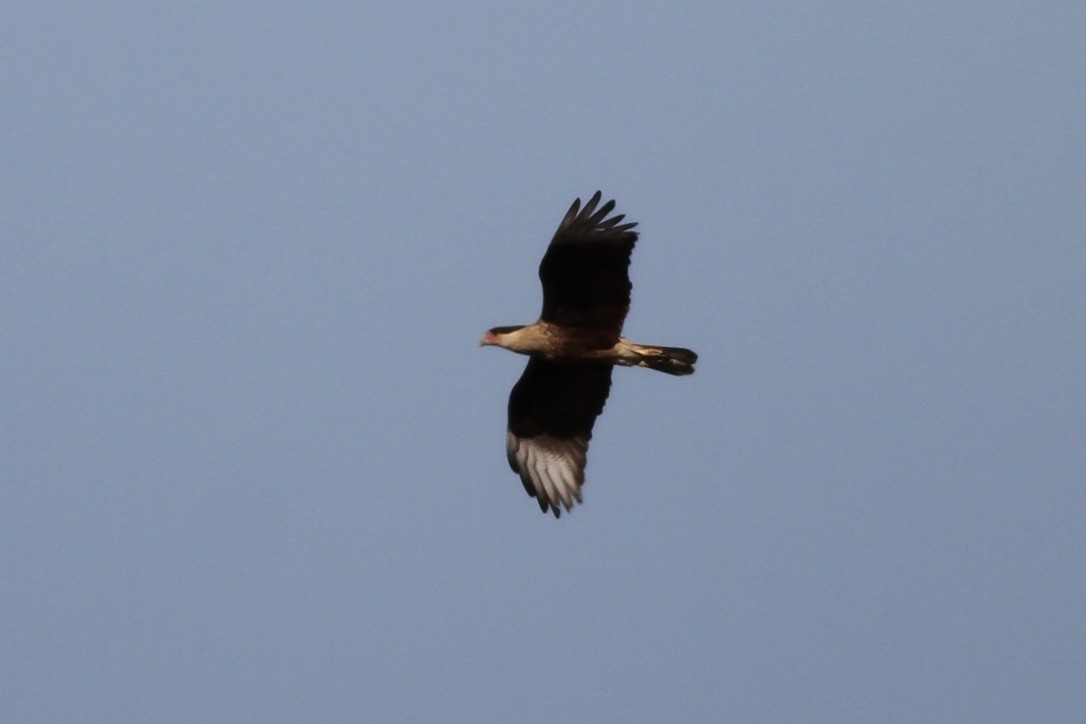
(673, 360)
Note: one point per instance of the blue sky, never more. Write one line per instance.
(252, 460)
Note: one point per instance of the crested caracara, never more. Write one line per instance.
(572, 349)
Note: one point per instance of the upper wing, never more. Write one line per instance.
(551, 413)
(585, 272)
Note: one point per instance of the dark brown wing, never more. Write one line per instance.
(585, 272)
(551, 413)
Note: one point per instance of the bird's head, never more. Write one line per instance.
(494, 336)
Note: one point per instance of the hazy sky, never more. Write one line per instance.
(252, 460)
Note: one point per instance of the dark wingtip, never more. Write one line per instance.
(591, 218)
(572, 213)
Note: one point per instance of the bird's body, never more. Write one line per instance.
(573, 348)
(573, 344)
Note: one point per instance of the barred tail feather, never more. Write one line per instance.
(672, 360)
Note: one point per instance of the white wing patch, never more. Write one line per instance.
(552, 469)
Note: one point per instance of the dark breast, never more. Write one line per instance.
(576, 343)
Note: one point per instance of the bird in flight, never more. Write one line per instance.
(572, 349)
